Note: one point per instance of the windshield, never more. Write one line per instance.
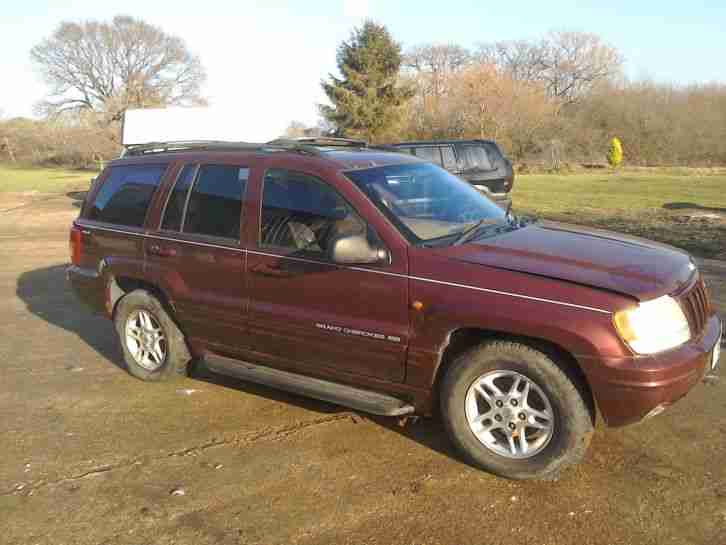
(425, 202)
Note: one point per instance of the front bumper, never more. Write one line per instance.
(629, 389)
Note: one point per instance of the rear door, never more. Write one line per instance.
(196, 257)
(307, 312)
(112, 221)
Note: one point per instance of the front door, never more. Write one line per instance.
(196, 255)
(305, 311)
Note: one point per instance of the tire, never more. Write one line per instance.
(538, 453)
(133, 307)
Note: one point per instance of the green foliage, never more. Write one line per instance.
(615, 153)
(366, 100)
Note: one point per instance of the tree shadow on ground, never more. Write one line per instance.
(47, 295)
(691, 206)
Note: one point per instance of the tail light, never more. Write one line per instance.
(76, 245)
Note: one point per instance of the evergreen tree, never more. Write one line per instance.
(366, 100)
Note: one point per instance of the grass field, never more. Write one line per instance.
(663, 206)
(42, 180)
(666, 205)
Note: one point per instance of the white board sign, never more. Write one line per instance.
(194, 124)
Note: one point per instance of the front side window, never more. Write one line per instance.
(427, 203)
(125, 195)
(304, 214)
(214, 207)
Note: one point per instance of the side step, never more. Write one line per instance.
(340, 394)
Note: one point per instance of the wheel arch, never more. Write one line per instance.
(462, 339)
(120, 285)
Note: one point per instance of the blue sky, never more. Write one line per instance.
(275, 52)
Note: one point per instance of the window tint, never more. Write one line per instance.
(178, 198)
(447, 153)
(125, 195)
(302, 213)
(429, 154)
(475, 157)
(215, 204)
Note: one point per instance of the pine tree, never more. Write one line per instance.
(366, 100)
(615, 153)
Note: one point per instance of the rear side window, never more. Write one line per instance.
(215, 203)
(126, 194)
(429, 154)
(178, 199)
(447, 154)
(475, 157)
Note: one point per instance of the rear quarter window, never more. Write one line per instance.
(125, 195)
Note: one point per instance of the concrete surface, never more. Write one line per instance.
(90, 455)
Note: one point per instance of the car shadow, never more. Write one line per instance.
(78, 197)
(691, 206)
(46, 294)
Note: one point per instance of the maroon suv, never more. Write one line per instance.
(382, 282)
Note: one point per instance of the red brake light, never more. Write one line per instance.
(76, 245)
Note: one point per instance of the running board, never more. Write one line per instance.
(340, 394)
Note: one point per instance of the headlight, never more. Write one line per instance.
(653, 326)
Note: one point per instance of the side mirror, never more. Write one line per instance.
(355, 250)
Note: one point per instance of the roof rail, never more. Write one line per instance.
(216, 145)
(328, 141)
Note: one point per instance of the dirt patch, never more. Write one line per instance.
(92, 455)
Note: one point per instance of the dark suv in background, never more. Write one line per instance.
(383, 282)
(479, 162)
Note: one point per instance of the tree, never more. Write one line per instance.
(108, 67)
(570, 64)
(615, 153)
(492, 104)
(367, 99)
(432, 64)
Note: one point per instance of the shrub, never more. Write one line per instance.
(615, 153)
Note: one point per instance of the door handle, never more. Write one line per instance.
(160, 251)
(271, 270)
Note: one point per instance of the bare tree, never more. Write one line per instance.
(570, 64)
(573, 62)
(433, 63)
(521, 59)
(108, 67)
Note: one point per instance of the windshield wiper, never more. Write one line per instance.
(469, 233)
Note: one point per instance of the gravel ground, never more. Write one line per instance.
(91, 455)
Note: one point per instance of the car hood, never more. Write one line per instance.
(628, 265)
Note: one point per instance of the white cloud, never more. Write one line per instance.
(356, 8)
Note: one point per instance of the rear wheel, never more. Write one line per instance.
(153, 346)
(511, 410)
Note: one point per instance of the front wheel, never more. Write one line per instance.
(511, 410)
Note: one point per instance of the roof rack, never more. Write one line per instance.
(217, 145)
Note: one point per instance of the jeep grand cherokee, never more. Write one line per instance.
(381, 282)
